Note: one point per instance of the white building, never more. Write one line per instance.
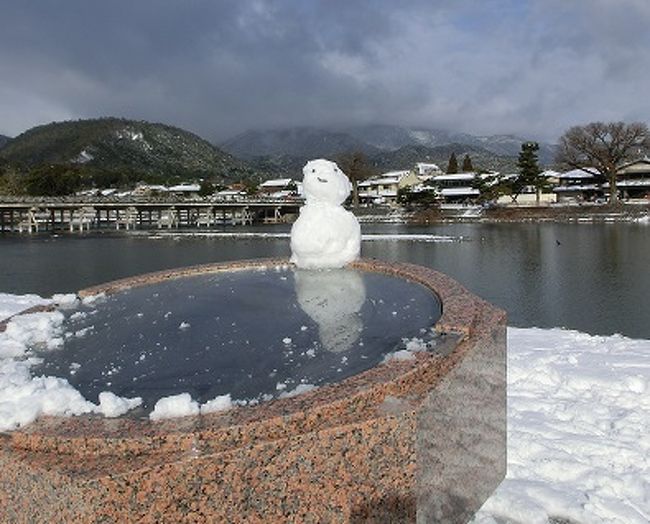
(578, 185)
(275, 185)
(384, 188)
(456, 187)
(633, 179)
(424, 168)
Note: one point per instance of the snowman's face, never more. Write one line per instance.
(323, 181)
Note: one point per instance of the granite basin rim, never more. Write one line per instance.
(92, 434)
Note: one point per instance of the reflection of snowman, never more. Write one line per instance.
(325, 235)
(333, 300)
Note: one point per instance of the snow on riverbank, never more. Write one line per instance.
(578, 417)
(366, 237)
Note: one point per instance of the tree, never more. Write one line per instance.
(467, 164)
(206, 188)
(530, 174)
(53, 180)
(425, 197)
(603, 147)
(356, 166)
(452, 166)
(490, 186)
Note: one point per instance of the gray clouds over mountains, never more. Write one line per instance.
(530, 67)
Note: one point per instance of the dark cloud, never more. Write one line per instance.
(218, 68)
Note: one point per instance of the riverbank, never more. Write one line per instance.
(496, 214)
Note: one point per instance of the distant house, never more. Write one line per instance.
(424, 168)
(230, 194)
(185, 190)
(456, 188)
(149, 190)
(275, 185)
(578, 185)
(384, 188)
(633, 179)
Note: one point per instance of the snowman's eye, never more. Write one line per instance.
(313, 170)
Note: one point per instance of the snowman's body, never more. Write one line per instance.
(325, 235)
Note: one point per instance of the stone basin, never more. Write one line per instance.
(420, 438)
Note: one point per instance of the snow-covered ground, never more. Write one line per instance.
(578, 417)
(578, 430)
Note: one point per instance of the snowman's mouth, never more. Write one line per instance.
(323, 180)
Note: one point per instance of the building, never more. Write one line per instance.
(185, 190)
(427, 169)
(578, 185)
(456, 188)
(383, 188)
(633, 179)
(280, 188)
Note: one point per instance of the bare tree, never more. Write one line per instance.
(356, 166)
(603, 147)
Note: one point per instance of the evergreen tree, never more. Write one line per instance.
(467, 164)
(452, 166)
(529, 171)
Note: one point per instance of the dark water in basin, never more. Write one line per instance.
(590, 277)
(253, 334)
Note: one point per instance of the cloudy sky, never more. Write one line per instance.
(219, 67)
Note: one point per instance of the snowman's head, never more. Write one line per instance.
(323, 181)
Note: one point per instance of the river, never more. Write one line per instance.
(590, 277)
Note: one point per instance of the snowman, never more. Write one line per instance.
(325, 235)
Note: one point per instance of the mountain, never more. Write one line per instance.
(389, 138)
(303, 142)
(120, 145)
(284, 152)
(3, 140)
(407, 156)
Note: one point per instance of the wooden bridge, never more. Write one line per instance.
(65, 215)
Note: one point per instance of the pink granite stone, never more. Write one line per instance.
(420, 438)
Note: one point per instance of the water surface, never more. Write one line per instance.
(590, 277)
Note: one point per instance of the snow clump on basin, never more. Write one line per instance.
(24, 397)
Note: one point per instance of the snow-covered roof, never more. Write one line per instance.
(457, 176)
(230, 192)
(392, 177)
(550, 173)
(277, 182)
(190, 188)
(632, 182)
(569, 189)
(106, 192)
(578, 173)
(152, 187)
(459, 191)
(641, 164)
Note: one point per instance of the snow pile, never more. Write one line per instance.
(12, 304)
(110, 405)
(411, 346)
(180, 405)
(325, 235)
(578, 426)
(298, 390)
(220, 403)
(23, 397)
